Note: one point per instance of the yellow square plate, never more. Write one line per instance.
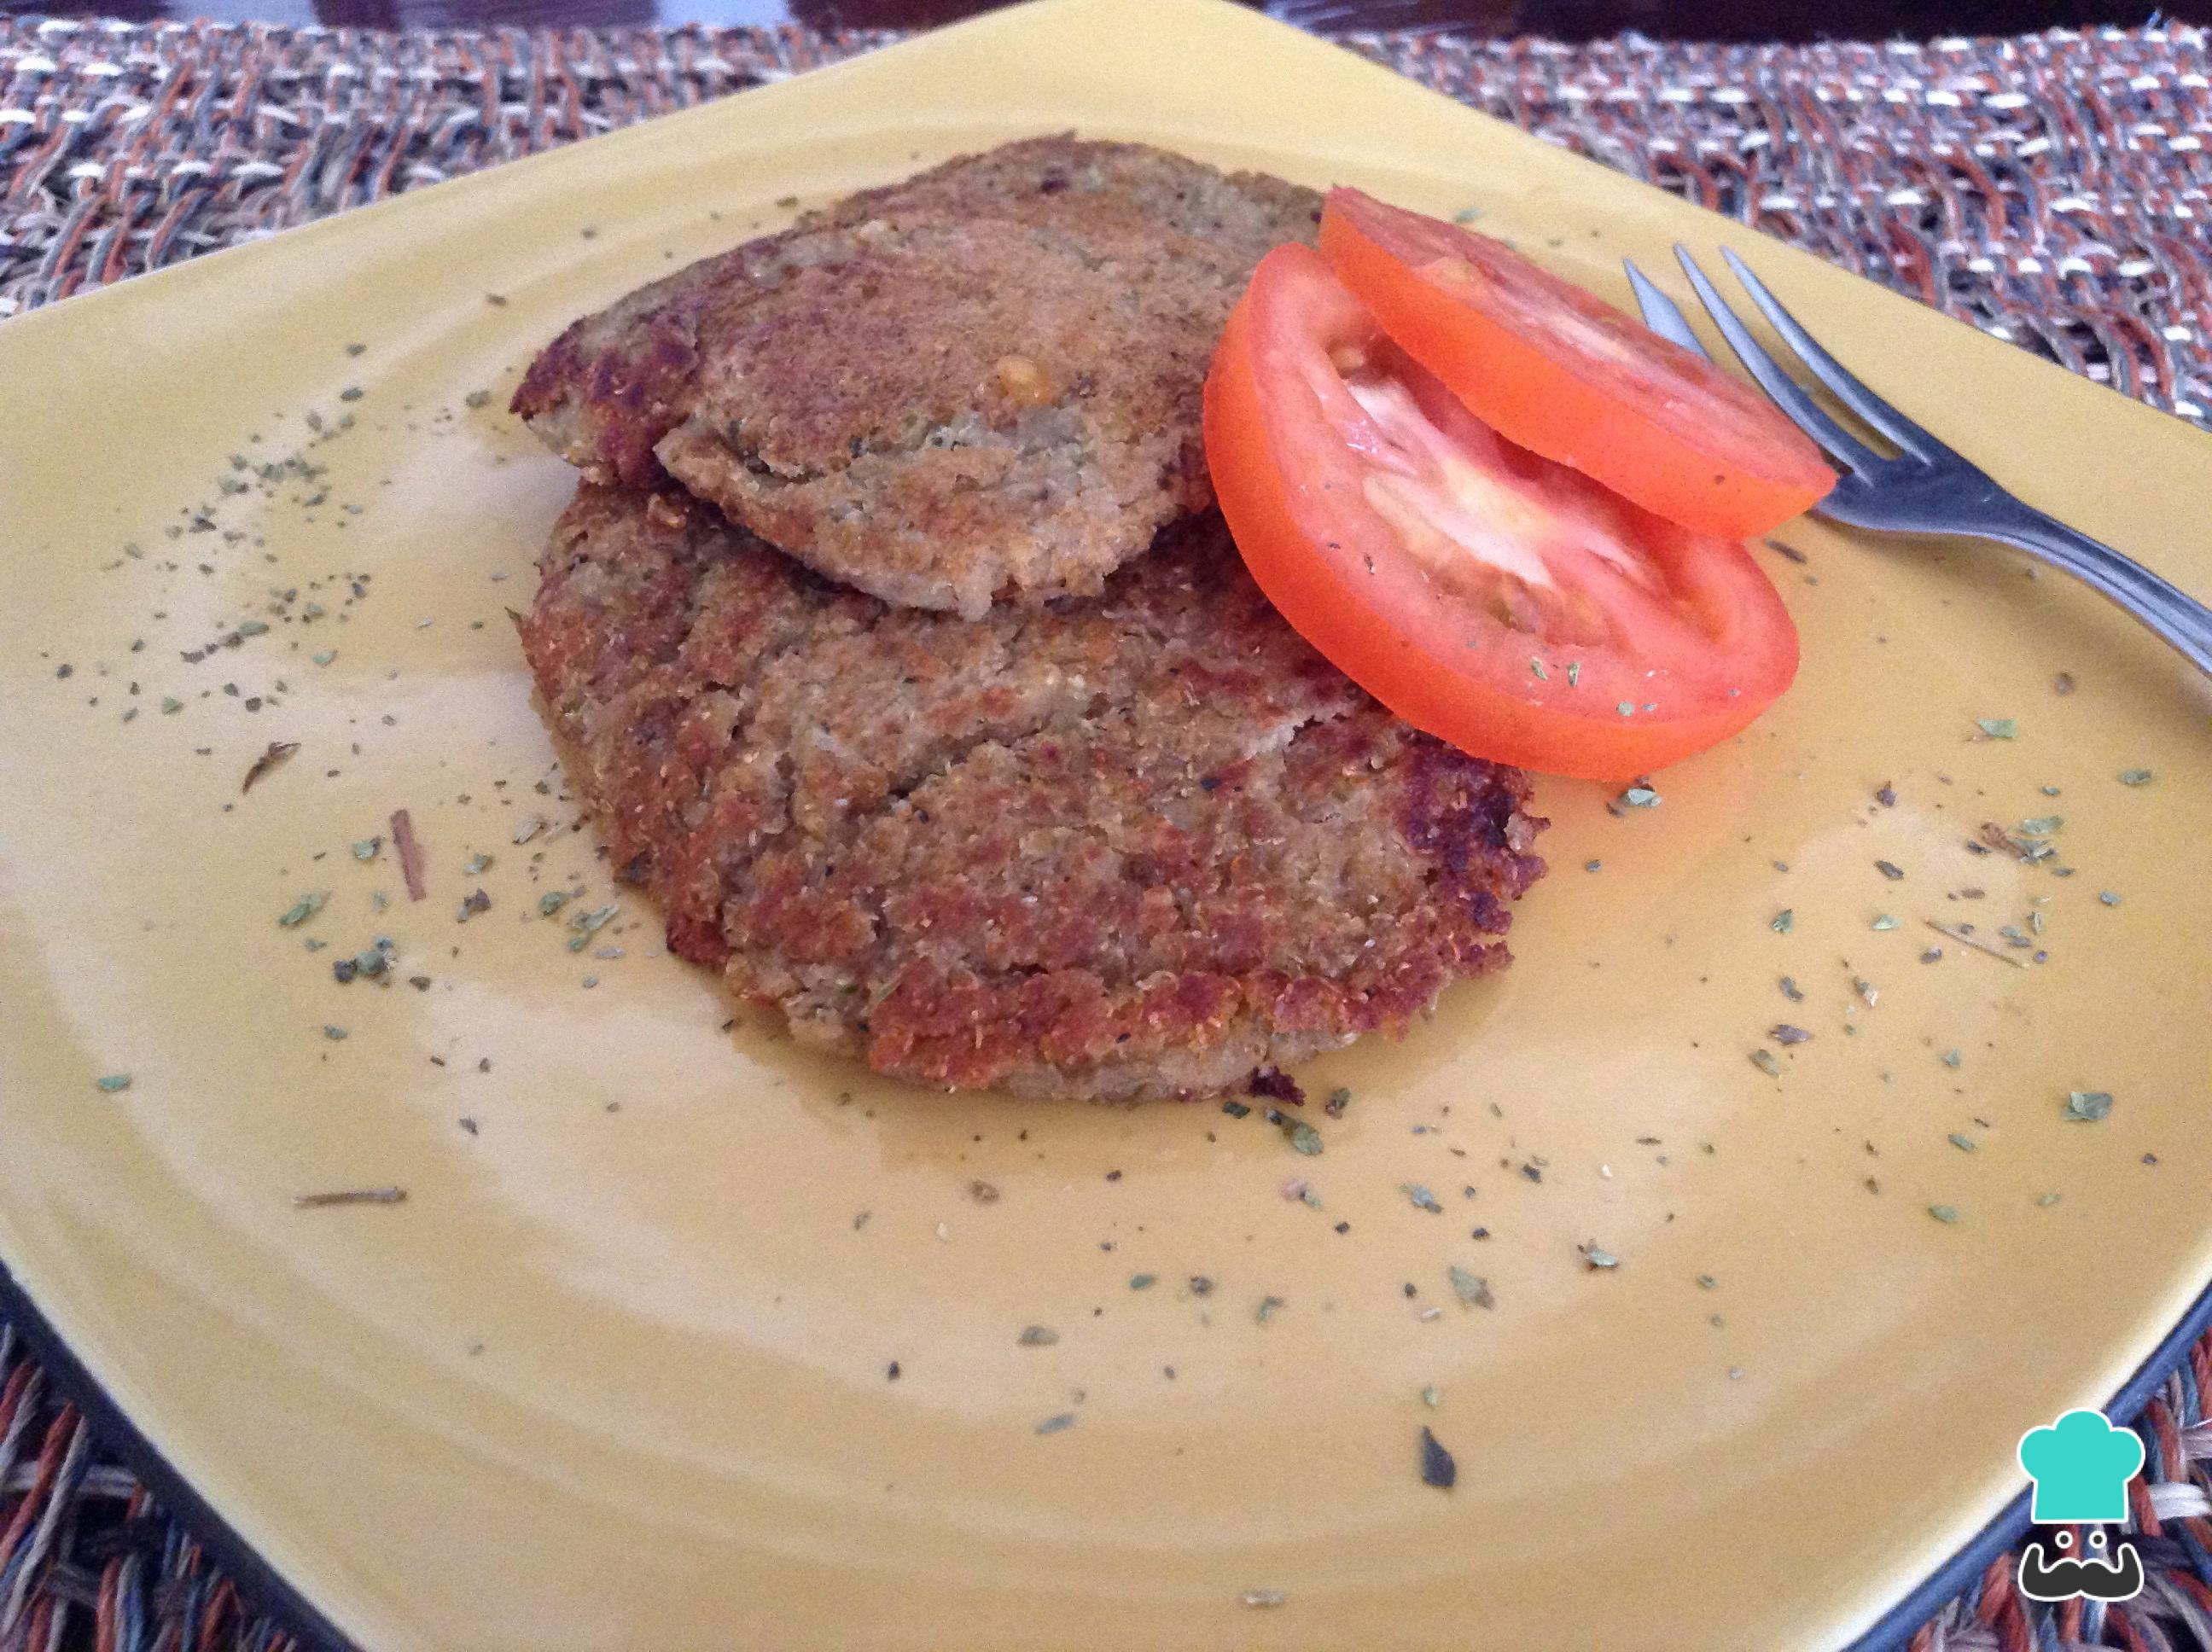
(618, 1372)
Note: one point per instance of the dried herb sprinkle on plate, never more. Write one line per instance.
(276, 752)
(351, 1196)
(411, 853)
(588, 923)
(2087, 1106)
(1471, 1291)
(1966, 937)
(1438, 1466)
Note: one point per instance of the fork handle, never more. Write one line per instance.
(2166, 608)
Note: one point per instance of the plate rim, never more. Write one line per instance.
(269, 1588)
(1951, 1578)
(259, 1578)
(274, 1592)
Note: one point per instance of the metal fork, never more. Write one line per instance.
(1926, 488)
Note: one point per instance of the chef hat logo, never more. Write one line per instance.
(2081, 1466)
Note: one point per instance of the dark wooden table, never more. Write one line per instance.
(1728, 20)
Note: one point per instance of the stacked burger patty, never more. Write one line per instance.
(892, 638)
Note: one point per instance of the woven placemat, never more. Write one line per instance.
(2054, 190)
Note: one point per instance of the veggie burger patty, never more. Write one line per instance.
(1134, 845)
(983, 382)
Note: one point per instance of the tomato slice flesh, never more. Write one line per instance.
(1556, 370)
(1489, 596)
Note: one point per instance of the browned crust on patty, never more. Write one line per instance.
(983, 382)
(1131, 846)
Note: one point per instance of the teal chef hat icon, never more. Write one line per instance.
(2081, 1466)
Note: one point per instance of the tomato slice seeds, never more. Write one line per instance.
(1493, 597)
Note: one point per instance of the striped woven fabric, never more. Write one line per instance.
(2054, 191)
(2051, 190)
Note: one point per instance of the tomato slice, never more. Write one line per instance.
(1551, 368)
(1500, 601)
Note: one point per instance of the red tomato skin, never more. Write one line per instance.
(1313, 576)
(1527, 391)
